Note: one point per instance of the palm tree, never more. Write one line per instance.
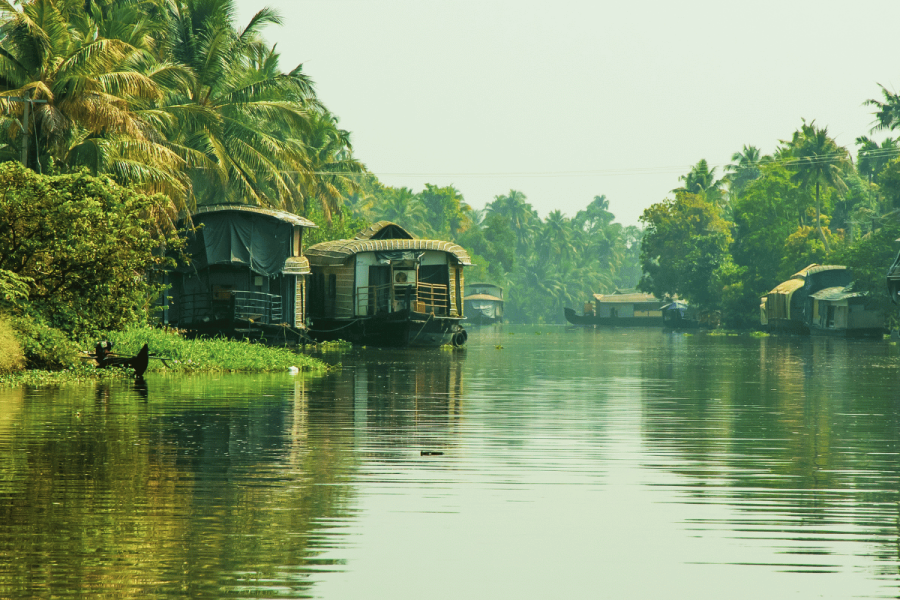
(818, 161)
(238, 110)
(402, 205)
(887, 115)
(744, 168)
(521, 216)
(83, 90)
(872, 158)
(701, 180)
(333, 171)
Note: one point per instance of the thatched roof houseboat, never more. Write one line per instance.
(620, 309)
(484, 303)
(385, 287)
(246, 275)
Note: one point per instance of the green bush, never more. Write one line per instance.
(12, 358)
(44, 347)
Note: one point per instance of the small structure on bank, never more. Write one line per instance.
(842, 312)
(246, 276)
(484, 303)
(893, 280)
(819, 299)
(620, 309)
(680, 315)
(385, 287)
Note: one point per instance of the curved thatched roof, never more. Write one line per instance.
(337, 251)
(281, 215)
(789, 287)
(483, 297)
(384, 230)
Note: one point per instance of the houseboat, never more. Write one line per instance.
(484, 304)
(680, 315)
(245, 276)
(788, 307)
(620, 309)
(842, 312)
(385, 287)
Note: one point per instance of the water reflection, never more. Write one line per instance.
(538, 462)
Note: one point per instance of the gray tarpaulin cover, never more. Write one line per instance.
(389, 256)
(241, 239)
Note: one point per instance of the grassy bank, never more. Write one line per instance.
(181, 356)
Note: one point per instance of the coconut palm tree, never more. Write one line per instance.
(744, 168)
(522, 217)
(402, 205)
(238, 110)
(818, 161)
(81, 91)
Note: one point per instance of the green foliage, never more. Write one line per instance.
(12, 358)
(889, 184)
(445, 211)
(86, 248)
(44, 347)
(869, 259)
(685, 243)
(342, 226)
(818, 162)
(208, 355)
(13, 289)
(802, 248)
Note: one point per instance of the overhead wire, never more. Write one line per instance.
(731, 167)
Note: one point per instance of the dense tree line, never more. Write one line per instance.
(722, 243)
(168, 96)
(543, 264)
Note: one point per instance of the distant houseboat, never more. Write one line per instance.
(620, 309)
(387, 288)
(842, 312)
(246, 275)
(484, 304)
(680, 315)
(788, 307)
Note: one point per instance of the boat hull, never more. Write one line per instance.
(592, 320)
(398, 329)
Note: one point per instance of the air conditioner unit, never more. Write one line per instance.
(404, 277)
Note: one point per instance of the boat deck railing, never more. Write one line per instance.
(385, 298)
(231, 305)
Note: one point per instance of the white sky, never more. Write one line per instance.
(570, 99)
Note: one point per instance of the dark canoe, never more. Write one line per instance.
(139, 362)
(576, 319)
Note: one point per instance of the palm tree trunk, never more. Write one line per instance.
(819, 222)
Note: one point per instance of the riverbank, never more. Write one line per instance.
(173, 353)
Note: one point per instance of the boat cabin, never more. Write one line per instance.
(371, 288)
(841, 311)
(246, 275)
(627, 307)
(483, 303)
(788, 307)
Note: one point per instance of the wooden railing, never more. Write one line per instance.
(433, 297)
(423, 298)
(373, 299)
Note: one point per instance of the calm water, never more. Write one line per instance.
(537, 463)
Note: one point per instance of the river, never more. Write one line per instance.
(538, 462)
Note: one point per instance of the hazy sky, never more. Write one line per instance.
(570, 99)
